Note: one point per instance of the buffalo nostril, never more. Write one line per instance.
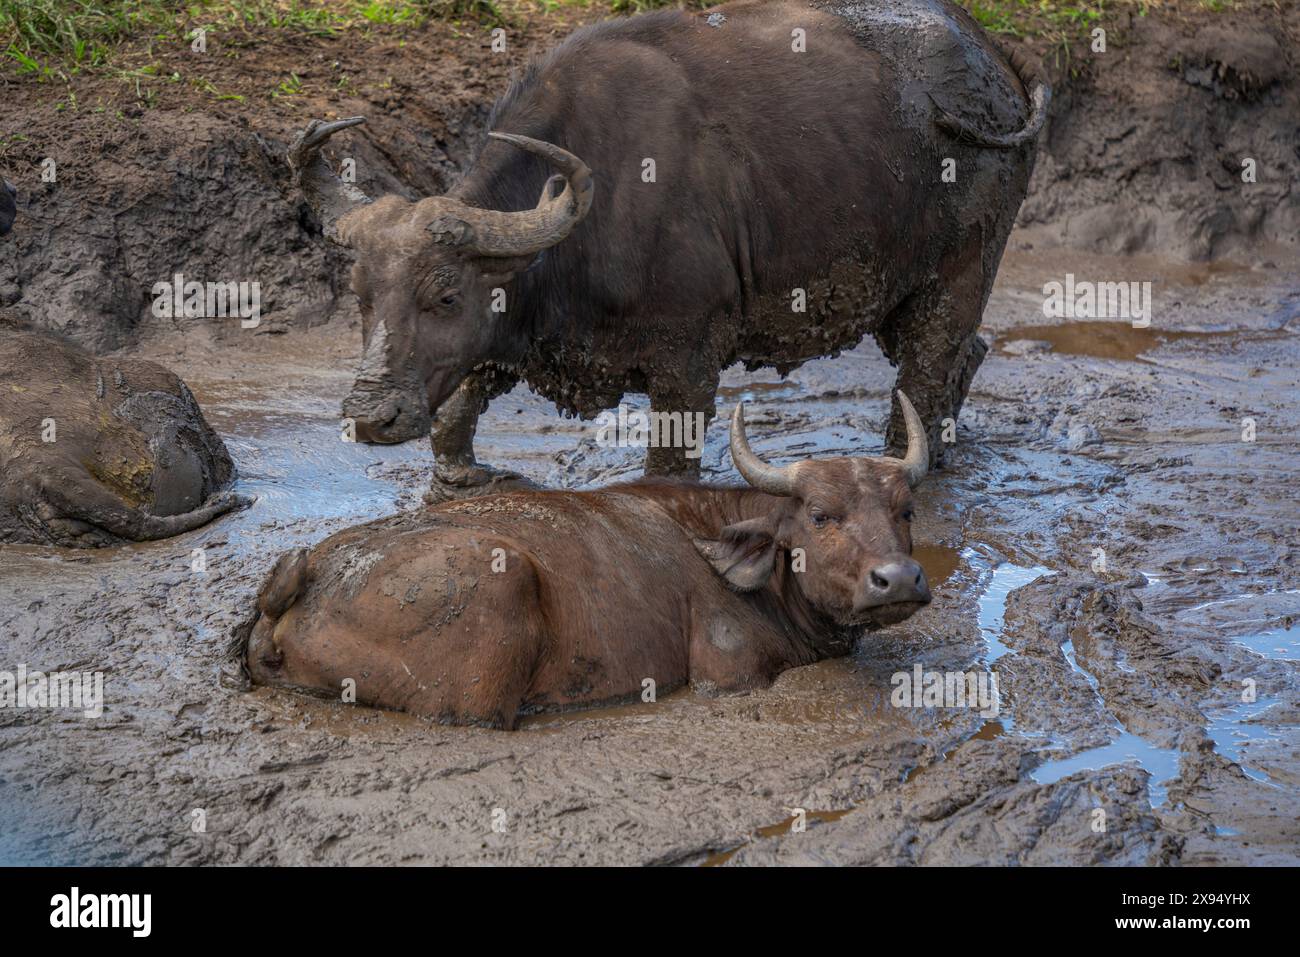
(899, 582)
(902, 580)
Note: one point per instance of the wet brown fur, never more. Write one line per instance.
(595, 592)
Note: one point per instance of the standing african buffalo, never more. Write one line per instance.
(478, 612)
(99, 451)
(761, 182)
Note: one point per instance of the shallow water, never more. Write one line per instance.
(1266, 622)
(1011, 506)
(1003, 580)
(1160, 763)
(1122, 341)
(1233, 729)
(778, 829)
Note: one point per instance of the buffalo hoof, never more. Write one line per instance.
(453, 483)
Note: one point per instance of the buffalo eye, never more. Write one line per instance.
(907, 514)
(819, 518)
(449, 298)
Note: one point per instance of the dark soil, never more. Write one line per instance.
(1143, 153)
(131, 174)
(1145, 147)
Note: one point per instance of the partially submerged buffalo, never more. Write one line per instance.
(99, 451)
(668, 194)
(481, 611)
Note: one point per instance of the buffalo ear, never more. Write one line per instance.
(744, 554)
(498, 272)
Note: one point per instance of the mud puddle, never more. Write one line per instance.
(1234, 730)
(1003, 580)
(755, 391)
(939, 561)
(1122, 341)
(1161, 764)
(1266, 623)
(992, 580)
(794, 824)
(290, 779)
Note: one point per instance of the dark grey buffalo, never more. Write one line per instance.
(99, 451)
(763, 182)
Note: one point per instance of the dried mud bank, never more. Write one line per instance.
(197, 184)
(1150, 143)
(1143, 152)
(1120, 735)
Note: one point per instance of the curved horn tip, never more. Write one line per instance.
(515, 139)
(318, 131)
(528, 232)
(764, 477)
(346, 123)
(916, 462)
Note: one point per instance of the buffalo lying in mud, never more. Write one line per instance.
(760, 182)
(480, 611)
(97, 451)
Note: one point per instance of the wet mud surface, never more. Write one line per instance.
(1146, 711)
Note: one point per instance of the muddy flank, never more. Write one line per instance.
(1145, 713)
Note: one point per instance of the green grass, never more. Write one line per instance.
(72, 32)
(41, 36)
(45, 38)
(1030, 17)
(289, 87)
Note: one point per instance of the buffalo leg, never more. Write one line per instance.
(96, 506)
(456, 472)
(932, 337)
(680, 415)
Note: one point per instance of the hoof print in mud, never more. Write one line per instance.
(101, 451)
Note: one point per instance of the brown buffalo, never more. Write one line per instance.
(481, 611)
(100, 451)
